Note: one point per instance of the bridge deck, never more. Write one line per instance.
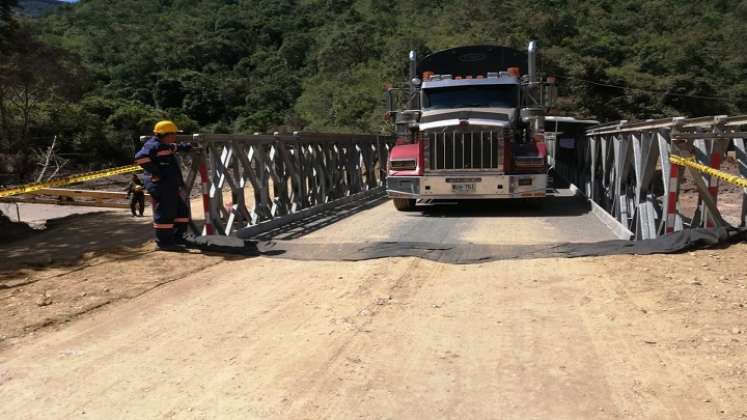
(561, 218)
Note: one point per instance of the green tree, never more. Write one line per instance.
(7, 23)
(266, 65)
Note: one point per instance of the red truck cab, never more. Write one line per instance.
(473, 129)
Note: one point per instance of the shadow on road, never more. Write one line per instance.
(68, 240)
(307, 225)
(552, 206)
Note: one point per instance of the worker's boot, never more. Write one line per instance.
(182, 236)
(165, 241)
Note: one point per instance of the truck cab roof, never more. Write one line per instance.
(473, 60)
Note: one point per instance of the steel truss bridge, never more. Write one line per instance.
(631, 172)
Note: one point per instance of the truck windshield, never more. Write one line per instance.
(492, 96)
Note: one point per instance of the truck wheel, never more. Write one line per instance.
(404, 204)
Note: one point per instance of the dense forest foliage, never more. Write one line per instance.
(98, 73)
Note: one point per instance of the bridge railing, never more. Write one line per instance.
(626, 168)
(251, 179)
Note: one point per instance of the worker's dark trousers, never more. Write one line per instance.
(170, 215)
(137, 202)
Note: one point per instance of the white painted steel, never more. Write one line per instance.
(638, 190)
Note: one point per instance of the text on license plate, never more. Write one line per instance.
(463, 188)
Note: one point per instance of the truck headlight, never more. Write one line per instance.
(529, 163)
(403, 165)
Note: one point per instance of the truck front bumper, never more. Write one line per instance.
(466, 186)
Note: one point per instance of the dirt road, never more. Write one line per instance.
(38, 214)
(398, 338)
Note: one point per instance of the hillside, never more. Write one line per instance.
(262, 65)
(36, 8)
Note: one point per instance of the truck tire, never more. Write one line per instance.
(404, 204)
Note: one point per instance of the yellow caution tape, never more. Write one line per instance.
(88, 176)
(691, 163)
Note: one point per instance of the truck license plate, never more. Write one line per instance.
(463, 188)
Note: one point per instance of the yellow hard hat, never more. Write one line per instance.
(165, 127)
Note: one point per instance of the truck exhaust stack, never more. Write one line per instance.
(413, 69)
(532, 62)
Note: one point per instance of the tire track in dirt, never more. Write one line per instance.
(390, 338)
(399, 284)
(71, 294)
(646, 395)
(132, 349)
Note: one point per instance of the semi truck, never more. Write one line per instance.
(471, 127)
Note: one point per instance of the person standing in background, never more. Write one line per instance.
(136, 194)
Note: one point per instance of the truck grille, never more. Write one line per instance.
(465, 150)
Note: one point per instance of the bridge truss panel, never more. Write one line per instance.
(251, 179)
(625, 168)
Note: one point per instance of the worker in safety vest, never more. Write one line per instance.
(163, 180)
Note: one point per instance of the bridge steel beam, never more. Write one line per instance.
(253, 179)
(741, 152)
(626, 170)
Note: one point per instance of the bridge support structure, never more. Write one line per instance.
(626, 169)
(251, 179)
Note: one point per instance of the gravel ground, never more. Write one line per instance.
(98, 325)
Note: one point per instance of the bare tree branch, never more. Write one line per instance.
(45, 165)
(59, 164)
